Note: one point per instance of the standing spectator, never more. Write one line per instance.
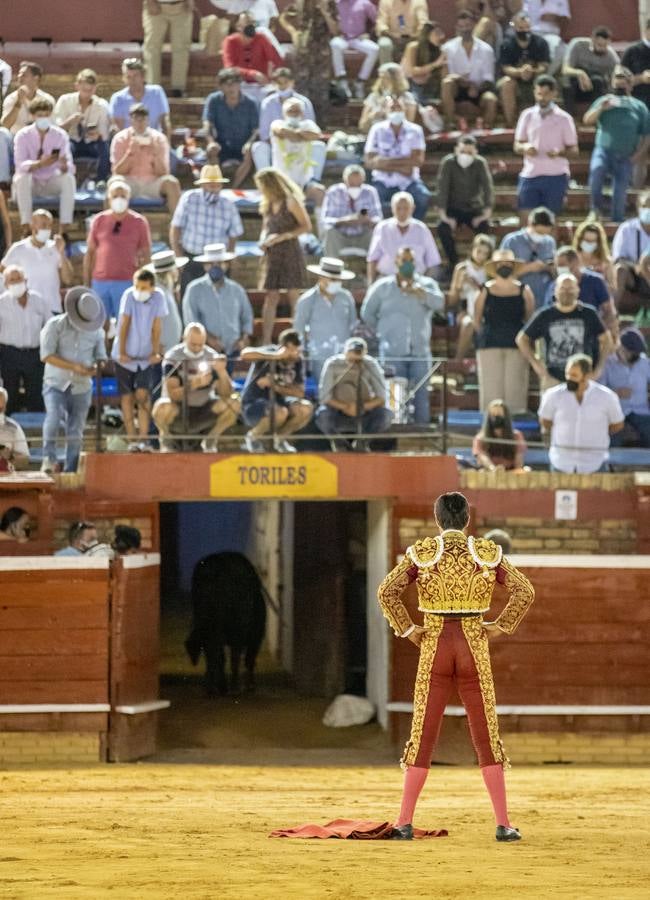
(398, 22)
(356, 19)
(352, 394)
(14, 452)
(546, 137)
(534, 245)
(165, 266)
(580, 415)
(140, 157)
(42, 259)
(593, 287)
(588, 67)
(636, 58)
(470, 78)
(523, 56)
(401, 230)
(86, 119)
(219, 304)
(252, 54)
(627, 373)
(284, 220)
(136, 350)
(465, 194)
(565, 328)
(592, 246)
(231, 121)
(548, 18)
(138, 91)
(72, 344)
(351, 210)
(177, 16)
(81, 536)
(622, 126)
(23, 313)
(271, 109)
(502, 308)
(390, 82)
(400, 309)
(119, 242)
(395, 151)
(282, 366)
(498, 445)
(15, 108)
(44, 166)
(203, 216)
(425, 64)
(466, 284)
(325, 314)
(295, 142)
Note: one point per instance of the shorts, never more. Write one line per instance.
(145, 188)
(463, 97)
(129, 382)
(111, 292)
(525, 92)
(544, 190)
(254, 412)
(199, 419)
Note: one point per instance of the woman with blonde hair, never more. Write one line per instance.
(284, 219)
(466, 284)
(591, 244)
(390, 83)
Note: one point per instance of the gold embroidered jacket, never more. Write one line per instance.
(454, 574)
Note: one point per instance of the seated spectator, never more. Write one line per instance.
(534, 245)
(44, 166)
(325, 314)
(631, 242)
(136, 90)
(195, 374)
(395, 151)
(295, 140)
(523, 56)
(231, 121)
(465, 194)
(119, 242)
(627, 373)
(264, 13)
(86, 119)
(356, 19)
(81, 536)
(593, 287)
(633, 298)
(203, 216)
(398, 23)
(126, 540)
(15, 108)
(6, 232)
(548, 18)
(425, 64)
(42, 259)
(72, 345)
(565, 328)
(140, 157)
(351, 209)
(588, 67)
(502, 308)
(546, 137)
(23, 313)
(5, 78)
(580, 415)
(622, 129)
(401, 230)
(252, 53)
(136, 350)
(352, 395)
(219, 304)
(470, 78)
(14, 452)
(15, 525)
(390, 82)
(636, 58)
(592, 246)
(157, 17)
(271, 109)
(280, 366)
(400, 308)
(499, 445)
(6, 162)
(466, 284)
(165, 266)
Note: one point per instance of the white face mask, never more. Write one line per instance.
(42, 123)
(588, 246)
(535, 237)
(333, 287)
(43, 235)
(119, 205)
(193, 354)
(644, 215)
(396, 118)
(18, 289)
(354, 192)
(464, 159)
(292, 121)
(142, 296)
(562, 270)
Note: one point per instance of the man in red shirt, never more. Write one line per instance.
(252, 54)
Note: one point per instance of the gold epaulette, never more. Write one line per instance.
(485, 554)
(427, 552)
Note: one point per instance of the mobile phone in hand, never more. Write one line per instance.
(56, 151)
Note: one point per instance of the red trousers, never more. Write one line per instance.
(453, 665)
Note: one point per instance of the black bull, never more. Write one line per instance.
(229, 611)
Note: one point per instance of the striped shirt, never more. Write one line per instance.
(205, 221)
(338, 203)
(20, 326)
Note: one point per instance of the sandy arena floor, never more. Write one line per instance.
(200, 831)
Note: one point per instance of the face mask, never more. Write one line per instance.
(333, 287)
(42, 123)
(249, 31)
(217, 273)
(464, 159)
(535, 237)
(407, 269)
(522, 35)
(588, 246)
(142, 296)
(210, 196)
(497, 421)
(396, 118)
(292, 122)
(193, 354)
(504, 271)
(43, 235)
(119, 205)
(620, 91)
(563, 270)
(354, 192)
(572, 385)
(18, 289)
(550, 106)
(644, 215)
(285, 94)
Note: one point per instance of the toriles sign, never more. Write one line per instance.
(273, 475)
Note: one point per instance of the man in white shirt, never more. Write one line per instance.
(87, 119)
(292, 139)
(631, 242)
(14, 451)
(580, 415)
(470, 64)
(43, 260)
(548, 17)
(15, 107)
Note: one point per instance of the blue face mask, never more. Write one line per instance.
(210, 196)
(407, 269)
(216, 273)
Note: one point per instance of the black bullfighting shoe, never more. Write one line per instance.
(193, 650)
(504, 833)
(402, 833)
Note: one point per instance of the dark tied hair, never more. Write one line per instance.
(11, 516)
(126, 538)
(76, 529)
(451, 510)
(425, 51)
(492, 443)
(289, 336)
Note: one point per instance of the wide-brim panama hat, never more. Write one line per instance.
(166, 260)
(84, 308)
(503, 256)
(211, 175)
(215, 253)
(330, 267)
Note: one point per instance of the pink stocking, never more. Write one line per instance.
(413, 783)
(496, 785)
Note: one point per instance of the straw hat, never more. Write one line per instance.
(330, 267)
(166, 260)
(215, 253)
(84, 308)
(211, 175)
(503, 256)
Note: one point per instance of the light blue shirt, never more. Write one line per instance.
(69, 551)
(155, 99)
(631, 241)
(138, 339)
(172, 325)
(271, 109)
(330, 322)
(60, 338)
(528, 250)
(402, 320)
(616, 375)
(224, 311)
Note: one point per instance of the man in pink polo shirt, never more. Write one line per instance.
(546, 137)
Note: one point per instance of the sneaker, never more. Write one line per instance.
(48, 467)
(252, 444)
(360, 90)
(283, 446)
(343, 82)
(166, 446)
(209, 445)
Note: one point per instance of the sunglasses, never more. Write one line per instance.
(117, 227)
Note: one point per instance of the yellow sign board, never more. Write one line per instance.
(273, 475)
